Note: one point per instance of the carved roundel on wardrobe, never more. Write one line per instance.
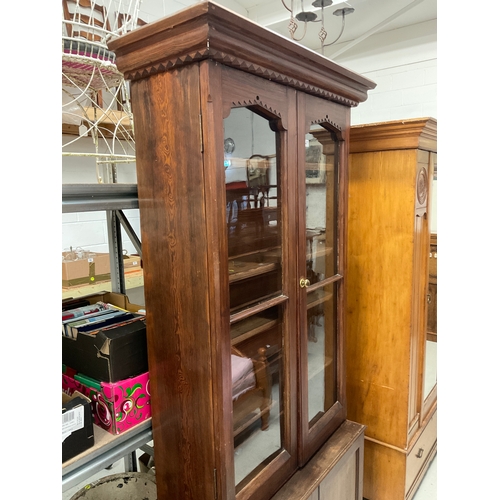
(422, 186)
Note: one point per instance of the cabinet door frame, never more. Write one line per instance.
(275, 102)
(427, 402)
(335, 119)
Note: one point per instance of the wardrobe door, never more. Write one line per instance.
(320, 269)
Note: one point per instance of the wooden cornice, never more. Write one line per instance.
(208, 31)
(400, 134)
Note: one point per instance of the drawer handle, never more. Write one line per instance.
(429, 299)
(420, 453)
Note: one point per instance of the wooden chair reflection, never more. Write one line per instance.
(255, 403)
(249, 206)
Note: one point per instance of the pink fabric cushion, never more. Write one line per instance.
(243, 376)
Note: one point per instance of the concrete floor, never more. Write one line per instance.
(428, 487)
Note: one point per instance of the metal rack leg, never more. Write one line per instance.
(131, 462)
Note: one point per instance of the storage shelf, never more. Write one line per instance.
(132, 280)
(107, 449)
(96, 197)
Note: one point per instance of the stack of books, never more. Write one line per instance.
(89, 318)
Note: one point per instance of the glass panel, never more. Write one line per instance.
(257, 413)
(430, 372)
(430, 367)
(320, 174)
(255, 275)
(321, 350)
(252, 208)
(322, 263)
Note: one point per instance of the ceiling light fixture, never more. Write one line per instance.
(311, 17)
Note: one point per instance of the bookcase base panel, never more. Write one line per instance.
(335, 471)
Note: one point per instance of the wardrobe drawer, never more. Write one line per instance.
(418, 455)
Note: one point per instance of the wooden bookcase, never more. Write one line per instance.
(391, 365)
(243, 225)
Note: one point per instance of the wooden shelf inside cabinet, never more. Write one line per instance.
(323, 252)
(240, 270)
(317, 297)
(248, 328)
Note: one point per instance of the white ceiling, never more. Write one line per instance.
(369, 17)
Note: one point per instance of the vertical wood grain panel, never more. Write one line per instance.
(379, 290)
(384, 473)
(213, 171)
(171, 194)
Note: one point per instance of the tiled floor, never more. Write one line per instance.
(426, 491)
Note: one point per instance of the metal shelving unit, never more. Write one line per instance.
(113, 198)
(96, 108)
(107, 450)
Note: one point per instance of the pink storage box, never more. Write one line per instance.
(118, 406)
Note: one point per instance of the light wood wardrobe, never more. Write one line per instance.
(391, 364)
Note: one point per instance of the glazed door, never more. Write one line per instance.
(429, 371)
(320, 272)
(259, 264)
(423, 375)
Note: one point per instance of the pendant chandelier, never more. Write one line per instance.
(306, 17)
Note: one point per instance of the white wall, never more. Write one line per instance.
(403, 64)
(88, 230)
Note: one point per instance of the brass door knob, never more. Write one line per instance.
(304, 283)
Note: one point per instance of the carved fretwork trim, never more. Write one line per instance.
(239, 63)
(255, 69)
(326, 120)
(255, 102)
(167, 65)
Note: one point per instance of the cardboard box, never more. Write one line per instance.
(109, 355)
(87, 270)
(116, 406)
(132, 263)
(77, 426)
(117, 299)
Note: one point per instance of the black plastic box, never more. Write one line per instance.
(109, 355)
(78, 427)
